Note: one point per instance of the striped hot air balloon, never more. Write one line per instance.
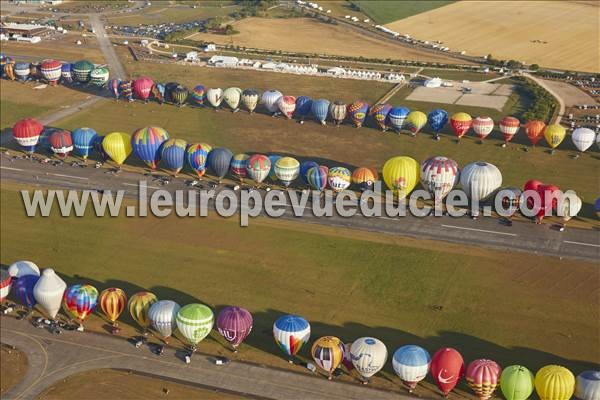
(22, 71)
(112, 303)
(287, 170)
(61, 143)
(317, 177)
(439, 175)
(197, 155)
(269, 100)
(234, 324)
(338, 111)
(291, 332)
(163, 316)
(239, 164)
(173, 154)
(357, 112)
(483, 126)
(287, 105)
(126, 89)
(483, 376)
(27, 132)
(365, 178)
(146, 144)
(82, 70)
(397, 116)
(179, 95)
(51, 71)
(411, 364)
(516, 383)
(99, 76)
(461, 123)
(258, 167)
(197, 94)
(66, 72)
(194, 322)
(379, 113)
(509, 126)
(554, 382)
(138, 305)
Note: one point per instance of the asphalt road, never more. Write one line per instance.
(485, 231)
(110, 56)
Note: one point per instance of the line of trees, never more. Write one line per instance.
(542, 103)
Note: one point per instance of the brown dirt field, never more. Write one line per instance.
(13, 365)
(570, 94)
(63, 49)
(309, 36)
(568, 31)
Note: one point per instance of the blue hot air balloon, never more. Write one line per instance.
(273, 158)
(411, 364)
(320, 109)
(304, 167)
(197, 155)
(303, 106)
(219, 160)
(173, 154)
(66, 72)
(22, 289)
(146, 144)
(317, 177)
(437, 119)
(291, 332)
(83, 141)
(397, 116)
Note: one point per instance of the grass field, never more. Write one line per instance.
(161, 11)
(528, 31)
(384, 12)
(63, 49)
(13, 365)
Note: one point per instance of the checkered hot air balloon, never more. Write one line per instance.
(328, 353)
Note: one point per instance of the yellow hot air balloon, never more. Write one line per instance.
(401, 174)
(118, 146)
(139, 304)
(415, 121)
(554, 135)
(112, 302)
(328, 352)
(554, 382)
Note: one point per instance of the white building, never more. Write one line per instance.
(210, 47)
(223, 61)
(433, 83)
(191, 56)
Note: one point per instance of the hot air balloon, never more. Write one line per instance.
(258, 167)
(238, 166)
(401, 175)
(328, 352)
(274, 158)
(379, 112)
(483, 126)
(169, 86)
(291, 332)
(439, 175)
(232, 97)
(139, 305)
(303, 107)
(554, 135)
(126, 89)
(411, 364)
(287, 105)
(511, 201)
(547, 195)
(22, 290)
(214, 96)
(320, 109)
(397, 116)
(317, 177)
(437, 119)
(509, 126)
(99, 76)
(286, 170)
(22, 71)
(146, 144)
(447, 367)
(35, 71)
(365, 178)
(338, 111)
(51, 71)
(66, 72)
(23, 268)
(583, 138)
(44, 139)
(113, 86)
(173, 154)
(195, 321)
(61, 143)
(219, 160)
(357, 112)
(26, 132)
(269, 100)
(339, 178)
(588, 385)
(535, 131)
(5, 284)
(48, 292)
(99, 149)
(9, 70)
(234, 324)
(117, 146)
(82, 70)
(83, 141)
(162, 316)
(483, 377)
(80, 301)
(516, 383)
(554, 382)
(142, 88)
(461, 123)
(368, 356)
(250, 99)
(112, 303)
(571, 207)
(158, 92)
(415, 121)
(304, 167)
(179, 95)
(197, 154)
(480, 179)
(197, 94)
(347, 360)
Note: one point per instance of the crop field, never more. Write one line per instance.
(553, 34)
(385, 11)
(63, 49)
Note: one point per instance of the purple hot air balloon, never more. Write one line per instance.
(22, 289)
(234, 324)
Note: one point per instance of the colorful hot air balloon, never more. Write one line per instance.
(303, 107)
(142, 88)
(162, 316)
(82, 70)
(219, 160)
(368, 356)
(158, 92)
(588, 385)
(483, 376)
(483, 126)
(113, 86)
(554, 382)
(139, 305)
(316, 177)
(83, 141)
(51, 71)
(415, 121)
(234, 324)
(117, 146)
(5, 284)
(304, 167)
(173, 154)
(291, 332)
(320, 109)
(286, 170)
(126, 89)
(439, 175)
(27, 132)
(269, 100)
(554, 135)
(401, 175)
(461, 123)
(214, 96)
(22, 71)
(80, 301)
(480, 179)
(48, 292)
(287, 105)
(447, 368)
(179, 95)
(19, 269)
(195, 321)
(239, 165)
(583, 138)
(437, 119)
(22, 290)
(397, 116)
(66, 72)
(535, 131)
(511, 202)
(338, 111)
(339, 178)
(258, 167)
(509, 126)
(146, 144)
(112, 303)
(357, 112)
(250, 99)
(197, 155)
(232, 97)
(365, 178)
(99, 76)
(379, 113)
(274, 158)
(197, 94)
(327, 352)
(516, 383)
(61, 143)
(411, 364)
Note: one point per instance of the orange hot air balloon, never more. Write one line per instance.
(112, 302)
(535, 131)
(461, 123)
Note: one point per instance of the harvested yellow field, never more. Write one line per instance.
(555, 34)
(307, 35)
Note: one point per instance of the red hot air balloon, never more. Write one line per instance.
(483, 376)
(509, 126)
(547, 194)
(27, 133)
(447, 367)
(51, 71)
(61, 143)
(234, 324)
(461, 123)
(142, 87)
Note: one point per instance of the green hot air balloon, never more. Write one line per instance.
(195, 322)
(516, 383)
(82, 70)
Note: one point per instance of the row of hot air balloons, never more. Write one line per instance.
(366, 355)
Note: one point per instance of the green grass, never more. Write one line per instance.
(160, 12)
(384, 12)
(12, 112)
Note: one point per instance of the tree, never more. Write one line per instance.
(534, 67)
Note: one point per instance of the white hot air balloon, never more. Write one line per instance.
(571, 207)
(439, 175)
(588, 385)
(232, 97)
(214, 96)
(583, 138)
(22, 268)
(411, 364)
(48, 292)
(162, 316)
(480, 179)
(269, 100)
(368, 356)
(483, 126)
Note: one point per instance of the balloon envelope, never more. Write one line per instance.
(303, 106)
(287, 105)
(516, 383)
(146, 144)
(534, 131)
(320, 109)
(197, 156)
(379, 112)
(588, 385)
(195, 322)
(365, 178)
(162, 316)
(142, 87)
(411, 364)
(317, 177)
(61, 143)
(173, 154)
(339, 178)
(327, 352)
(117, 146)
(583, 138)
(291, 332)
(415, 121)
(480, 179)
(483, 126)
(437, 119)
(219, 160)
(554, 382)
(447, 368)
(483, 376)
(554, 135)
(197, 94)
(258, 167)
(48, 292)
(397, 117)
(287, 169)
(234, 324)
(401, 175)
(357, 112)
(5, 284)
(22, 268)
(368, 356)
(232, 97)
(112, 303)
(83, 141)
(138, 305)
(27, 132)
(269, 100)
(439, 175)
(250, 99)
(22, 289)
(461, 123)
(509, 126)
(80, 300)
